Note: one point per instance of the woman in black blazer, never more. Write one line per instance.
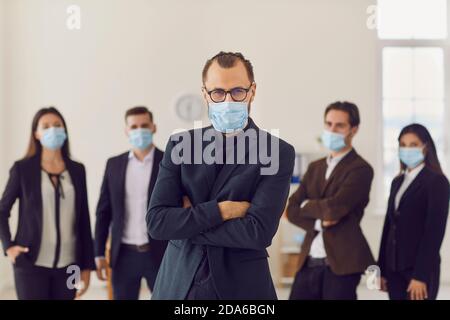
(415, 221)
(53, 247)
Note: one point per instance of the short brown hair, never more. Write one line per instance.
(138, 110)
(229, 60)
(349, 107)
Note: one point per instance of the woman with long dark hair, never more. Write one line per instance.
(415, 221)
(53, 231)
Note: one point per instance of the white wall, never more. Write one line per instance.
(4, 267)
(306, 54)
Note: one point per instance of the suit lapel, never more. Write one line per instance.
(340, 167)
(417, 182)
(395, 187)
(227, 170)
(320, 179)
(121, 176)
(155, 169)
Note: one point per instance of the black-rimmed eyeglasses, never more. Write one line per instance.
(238, 94)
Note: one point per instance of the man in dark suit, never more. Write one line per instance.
(329, 205)
(125, 193)
(217, 199)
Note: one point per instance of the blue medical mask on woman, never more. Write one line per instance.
(53, 138)
(333, 141)
(227, 116)
(411, 157)
(140, 138)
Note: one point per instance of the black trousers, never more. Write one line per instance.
(39, 283)
(398, 282)
(202, 287)
(320, 283)
(130, 268)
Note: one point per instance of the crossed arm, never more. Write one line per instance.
(303, 212)
(215, 223)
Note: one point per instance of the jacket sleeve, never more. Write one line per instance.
(166, 218)
(87, 260)
(382, 251)
(383, 244)
(257, 228)
(10, 195)
(103, 216)
(353, 191)
(436, 220)
(294, 203)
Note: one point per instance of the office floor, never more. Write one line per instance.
(97, 291)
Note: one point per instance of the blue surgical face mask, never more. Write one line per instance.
(411, 157)
(140, 138)
(333, 141)
(53, 138)
(228, 117)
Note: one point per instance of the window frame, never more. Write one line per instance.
(444, 44)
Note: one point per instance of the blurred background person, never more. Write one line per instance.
(125, 193)
(393, 75)
(329, 204)
(415, 221)
(53, 227)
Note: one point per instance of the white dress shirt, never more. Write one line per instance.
(317, 246)
(136, 198)
(47, 251)
(408, 178)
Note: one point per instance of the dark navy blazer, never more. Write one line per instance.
(111, 208)
(25, 184)
(413, 234)
(236, 249)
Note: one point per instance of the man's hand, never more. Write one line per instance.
(233, 209)
(102, 267)
(186, 202)
(15, 251)
(228, 209)
(325, 223)
(329, 223)
(85, 280)
(417, 290)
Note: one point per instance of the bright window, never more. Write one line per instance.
(413, 55)
(412, 19)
